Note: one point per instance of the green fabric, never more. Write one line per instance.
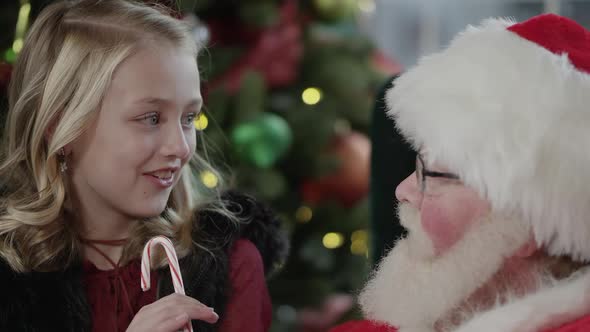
(392, 160)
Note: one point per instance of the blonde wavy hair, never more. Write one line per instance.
(58, 83)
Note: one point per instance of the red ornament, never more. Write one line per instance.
(350, 182)
(383, 64)
(5, 74)
(275, 53)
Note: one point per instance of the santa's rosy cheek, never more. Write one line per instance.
(443, 230)
(447, 226)
(440, 233)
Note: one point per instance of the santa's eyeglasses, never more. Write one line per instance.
(422, 173)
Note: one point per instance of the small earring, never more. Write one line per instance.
(63, 166)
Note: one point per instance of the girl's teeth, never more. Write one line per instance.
(163, 175)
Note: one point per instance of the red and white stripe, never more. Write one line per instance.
(172, 263)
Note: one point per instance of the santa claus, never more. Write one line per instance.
(498, 209)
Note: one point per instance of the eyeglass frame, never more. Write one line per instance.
(421, 176)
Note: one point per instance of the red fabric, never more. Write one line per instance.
(107, 299)
(559, 35)
(363, 326)
(249, 308)
(580, 325)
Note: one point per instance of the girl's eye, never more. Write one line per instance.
(151, 119)
(189, 119)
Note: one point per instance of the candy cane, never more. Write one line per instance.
(172, 263)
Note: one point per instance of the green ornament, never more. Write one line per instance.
(262, 140)
(10, 55)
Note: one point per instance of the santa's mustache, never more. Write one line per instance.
(418, 241)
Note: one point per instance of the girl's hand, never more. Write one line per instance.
(170, 314)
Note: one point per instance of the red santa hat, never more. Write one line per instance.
(507, 107)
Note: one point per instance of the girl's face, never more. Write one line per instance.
(131, 156)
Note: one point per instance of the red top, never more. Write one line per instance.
(115, 296)
(106, 297)
(249, 308)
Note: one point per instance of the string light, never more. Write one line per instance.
(23, 19)
(359, 248)
(333, 240)
(201, 122)
(209, 179)
(303, 214)
(360, 235)
(359, 245)
(311, 96)
(17, 46)
(367, 6)
(21, 28)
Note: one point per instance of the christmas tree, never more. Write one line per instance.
(288, 87)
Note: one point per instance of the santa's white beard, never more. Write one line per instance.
(412, 288)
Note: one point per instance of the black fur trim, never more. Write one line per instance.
(42, 301)
(263, 228)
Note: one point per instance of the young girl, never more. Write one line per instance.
(99, 158)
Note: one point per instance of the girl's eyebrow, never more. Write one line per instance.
(196, 102)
